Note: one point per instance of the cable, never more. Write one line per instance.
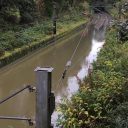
(69, 63)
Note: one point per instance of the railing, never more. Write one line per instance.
(45, 100)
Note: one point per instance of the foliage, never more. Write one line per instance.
(2, 51)
(27, 10)
(11, 14)
(14, 10)
(120, 116)
(94, 105)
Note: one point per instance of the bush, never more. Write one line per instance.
(120, 116)
(11, 14)
(7, 39)
(92, 105)
(2, 51)
(26, 17)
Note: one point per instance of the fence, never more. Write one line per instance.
(45, 99)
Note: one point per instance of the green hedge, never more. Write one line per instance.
(96, 103)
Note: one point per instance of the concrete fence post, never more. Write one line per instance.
(44, 97)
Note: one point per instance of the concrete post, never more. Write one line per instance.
(43, 112)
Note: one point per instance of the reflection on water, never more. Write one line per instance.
(73, 85)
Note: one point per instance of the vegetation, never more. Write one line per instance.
(17, 36)
(25, 24)
(26, 11)
(103, 102)
(102, 99)
(15, 44)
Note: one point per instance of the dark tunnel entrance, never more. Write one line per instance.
(99, 9)
(99, 6)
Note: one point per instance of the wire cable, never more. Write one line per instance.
(69, 63)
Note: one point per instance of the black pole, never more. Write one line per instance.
(13, 118)
(17, 118)
(54, 17)
(45, 100)
(14, 94)
(54, 27)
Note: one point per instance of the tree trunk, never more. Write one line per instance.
(40, 6)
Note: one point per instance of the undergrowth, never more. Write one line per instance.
(101, 103)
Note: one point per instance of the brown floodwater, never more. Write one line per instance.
(21, 73)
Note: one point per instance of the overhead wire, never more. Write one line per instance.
(69, 62)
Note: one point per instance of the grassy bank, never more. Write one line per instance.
(102, 101)
(17, 41)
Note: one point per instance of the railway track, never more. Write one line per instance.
(100, 20)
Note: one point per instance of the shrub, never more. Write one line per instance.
(26, 17)
(92, 105)
(120, 116)
(11, 14)
(2, 51)
(7, 39)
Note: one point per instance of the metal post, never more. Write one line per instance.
(54, 27)
(31, 89)
(31, 123)
(44, 97)
(54, 17)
